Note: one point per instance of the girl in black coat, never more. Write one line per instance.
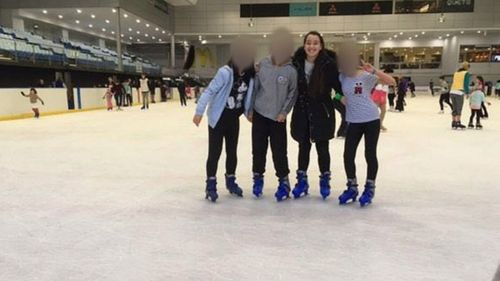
(313, 118)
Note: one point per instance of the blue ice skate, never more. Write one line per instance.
(258, 185)
(351, 193)
(283, 191)
(367, 196)
(324, 185)
(302, 186)
(232, 186)
(211, 190)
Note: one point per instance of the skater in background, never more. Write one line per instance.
(480, 85)
(497, 89)
(152, 89)
(391, 96)
(402, 89)
(459, 89)
(228, 96)
(275, 94)
(181, 86)
(108, 95)
(128, 101)
(476, 101)
(34, 100)
(313, 117)
(411, 86)
(118, 94)
(445, 95)
(363, 118)
(431, 86)
(144, 86)
(379, 97)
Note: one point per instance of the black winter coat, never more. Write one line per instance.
(313, 117)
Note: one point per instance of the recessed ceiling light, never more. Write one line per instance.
(147, 35)
(479, 31)
(77, 21)
(157, 29)
(129, 29)
(90, 25)
(104, 29)
(462, 32)
(416, 36)
(122, 35)
(401, 33)
(153, 37)
(138, 21)
(160, 40)
(138, 40)
(265, 35)
(92, 16)
(220, 36)
(44, 11)
(203, 42)
(131, 38)
(163, 32)
(410, 38)
(138, 32)
(114, 10)
(107, 21)
(447, 35)
(125, 15)
(60, 16)
(79, 11)
(352, 34)
(440, 37)
(147, 24)
(368, 34)
(113, 32)
(395, 36)
(423, 32)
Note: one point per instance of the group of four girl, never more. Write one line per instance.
(266, 94)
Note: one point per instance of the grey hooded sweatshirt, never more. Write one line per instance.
(275, 89)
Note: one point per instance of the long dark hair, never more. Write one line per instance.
(248, 71)
(481, 79)
(316, 80)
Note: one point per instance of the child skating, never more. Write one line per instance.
(108, 96)
(275, 94)
(358, 80)
(34, 100)
(476, 101)
(228, 96)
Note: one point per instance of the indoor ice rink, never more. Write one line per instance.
(99, 185)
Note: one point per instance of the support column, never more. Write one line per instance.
(65, 34)
(376, 55)
(18, 23)
(172, 51)
(451, 53)
(102, 43)
(119, 50)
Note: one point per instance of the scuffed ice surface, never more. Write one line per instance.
(119, 196)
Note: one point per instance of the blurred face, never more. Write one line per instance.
(32, 92)
(143, 76)
(281, 47)
(312, 45)
(348, 59)
(243, 53)
(110, 79)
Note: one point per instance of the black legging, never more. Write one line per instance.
(323, 155)
(118, 99)
(475, 113)
(183, 96)
(355, 131)
(227, 130)
(400, 104)
(484, 111)
(445, 98)
(391, 98)
(340, 107)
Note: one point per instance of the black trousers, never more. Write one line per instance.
(391, 98)
(445, 98)
(400, 104)
(119, 99)
(355, 131)
(322, 148)
(265, 131)
(475, 113)
(227, 130)
(130, 100)
(343, 124)
(183, 99)
(484, 110)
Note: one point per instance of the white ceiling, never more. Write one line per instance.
(101, 22)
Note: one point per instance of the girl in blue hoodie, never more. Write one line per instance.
(228, 96)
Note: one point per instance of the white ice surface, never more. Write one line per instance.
(120, 196)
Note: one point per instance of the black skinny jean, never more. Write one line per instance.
(355, 131)
(445, 98)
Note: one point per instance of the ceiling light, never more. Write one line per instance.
(395, 36)
(410, 38)
(92, 16)
(44, 11)
(423, 32)
(131, 38)
(203, 42)
(138, 40)
(479, 31)
(114, 10)
(138, 32)
(147, 24)
(462, 32)
(60, 16)
(159, 40)
(401, 33)
(129, 29)
(163, 31)
(113, 32)
(200, 38)
(447, 35)
(79, 11)
(390, 38)
(90, 25)
(157, 29)
(77, 21)
(368, 34)
(416, 36)
(104, 29)
(153, 37)
(440, 37)
(265, 35)
(125, 15)
(138, 21)
(107, 21)
(220, 36)
(352, 34)
(147, 35)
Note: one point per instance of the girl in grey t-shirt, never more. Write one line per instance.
(358, 80)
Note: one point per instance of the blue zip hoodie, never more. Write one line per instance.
(216, 94)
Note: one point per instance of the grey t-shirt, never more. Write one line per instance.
(360, 107)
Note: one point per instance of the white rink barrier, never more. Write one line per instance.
(13, 103)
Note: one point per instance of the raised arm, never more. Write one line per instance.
(383, 78)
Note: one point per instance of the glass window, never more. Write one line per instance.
(475, 54)
(411, 58)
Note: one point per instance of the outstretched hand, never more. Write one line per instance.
(197, 120)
